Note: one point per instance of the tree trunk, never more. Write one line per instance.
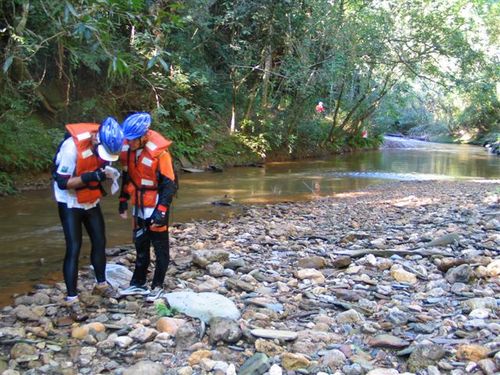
(267, 73)
(21, 73)
(232, 127)
(336, 113)
(24, 18)
(234, 92)
(251, 100)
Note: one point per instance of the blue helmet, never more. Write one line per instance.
(136, 125)
(110, 138)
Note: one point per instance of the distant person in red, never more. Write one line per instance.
(364, 134)
(320, 108)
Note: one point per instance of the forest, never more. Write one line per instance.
(235, 82)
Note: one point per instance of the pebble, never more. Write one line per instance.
(393, 278)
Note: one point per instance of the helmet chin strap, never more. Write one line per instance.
(142, 141)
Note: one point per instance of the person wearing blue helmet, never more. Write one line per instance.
(79, 169)
(149, 182)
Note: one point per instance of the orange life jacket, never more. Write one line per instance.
(87, 160)
(143, 185)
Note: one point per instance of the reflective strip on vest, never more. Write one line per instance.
(125, 147)
(152, 146)
(147, 161)
(145, 182)
(83, 136)
(87, 153)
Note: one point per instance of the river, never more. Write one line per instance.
(32, 242)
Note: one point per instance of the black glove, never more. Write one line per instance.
(123, 205)
(159, 216)
(96, 176)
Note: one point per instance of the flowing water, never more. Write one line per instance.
(32, 242)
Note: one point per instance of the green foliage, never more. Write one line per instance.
(25, 145)
(426, 67)
(311, 134)
(254, 136)
(180, 126)
(482, 114)
(258, 144)
(6, 184)
(230, 150)
(163, 310)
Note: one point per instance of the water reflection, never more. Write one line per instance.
(32, 243)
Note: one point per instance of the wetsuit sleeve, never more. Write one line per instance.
(66, 163)
(124, 157)
(125, 182)
(166, 180)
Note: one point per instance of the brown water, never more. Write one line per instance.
(32, 243)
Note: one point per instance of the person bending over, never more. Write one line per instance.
(78, 173)
(149, 182)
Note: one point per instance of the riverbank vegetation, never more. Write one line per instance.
(232, 82)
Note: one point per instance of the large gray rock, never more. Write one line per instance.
(203, 306)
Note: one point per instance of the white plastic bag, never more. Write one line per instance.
(115, 176)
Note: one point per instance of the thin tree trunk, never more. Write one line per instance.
(267, 73)
(351, 112)
(372, 107)
(19, 66)
(24, 18)
(251, 100)
(336, 113)
(232, 127)
(23, 73)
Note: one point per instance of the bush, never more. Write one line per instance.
(6, 184)
(25, 144)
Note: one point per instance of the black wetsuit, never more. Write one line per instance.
(72, 220)
(143, 239)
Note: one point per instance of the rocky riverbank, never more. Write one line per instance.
(397, 278)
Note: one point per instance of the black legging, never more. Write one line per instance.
(71, 220)
(160, 243)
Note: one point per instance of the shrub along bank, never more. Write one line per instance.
(28, 146)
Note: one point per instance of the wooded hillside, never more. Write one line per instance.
(225, 76)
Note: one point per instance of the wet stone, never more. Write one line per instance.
(315, 286)
(425, 355)
(387, 341)
(257, 364)
(460, 274)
